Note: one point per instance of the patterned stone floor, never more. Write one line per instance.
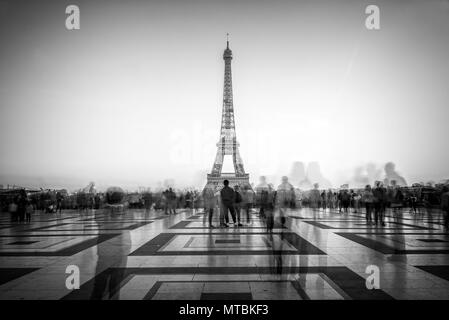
(138, 255)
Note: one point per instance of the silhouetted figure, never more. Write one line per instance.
(315, 197)
(147, 201)
(97, 201)
(82, 201)
(339, 202)
(330, 200)
(188, 200)
(269, 203)
(285, 196)
(356, 201)
(413, 202)
(227, 196)
(237, 204)
(345, 200)
(445, 207)
(323, 200)
(209, 203)
(397, 200)
(368, 200)
(379, 203)
(12, 208)
(248, 202)
(59, 198)
(261, 196)
(115, 199)
(22, 202)
(171, 199)
(164, 201)
(28, 211)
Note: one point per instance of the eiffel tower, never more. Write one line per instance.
(228, 144)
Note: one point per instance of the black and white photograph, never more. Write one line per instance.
(224, 151)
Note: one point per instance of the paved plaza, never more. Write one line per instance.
(149, 255)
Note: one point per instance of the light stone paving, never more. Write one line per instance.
(152, 256)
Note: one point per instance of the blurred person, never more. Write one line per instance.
(188, 200)
(277, 246)
(298, 198)
(330, 200)
(262, 195)
(339, 202)
(171, 198)
(323, 200)
(351, 197)
(248, 202)
(12, 208)
(368, 200)
(285, 196)
(379, 203)
(59, 198)
(269, 204)
(345, 200)
(413, 200)
(263, 201)
(445, 206)
(147, 200)
(81, 201)
(237, 204)
(390, 192)
(22, 202)
(164, 201)
(315, 197)
(29, 211)
(107, 283)
(334, 200)
(196, 199)
(399, 199)
(97, 201)
(356, 201)
(209, 203)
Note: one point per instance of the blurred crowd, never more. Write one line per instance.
(264, 197)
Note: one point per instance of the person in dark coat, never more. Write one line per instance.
(227, 195)
(380, 199)
(238, 204)
(22, 202)
(171, 197)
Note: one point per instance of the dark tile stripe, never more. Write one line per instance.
(439, 271)
(348, 281)
(385, 249)
(226, 296)
(64, 252)
(9, 274)
(300, 244)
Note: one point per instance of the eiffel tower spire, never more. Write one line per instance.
(228, 144)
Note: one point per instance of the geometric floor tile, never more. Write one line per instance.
(139, 255)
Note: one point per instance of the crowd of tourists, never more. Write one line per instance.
(372, 201)
(237, 202)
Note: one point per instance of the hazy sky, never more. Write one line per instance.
(135, 95)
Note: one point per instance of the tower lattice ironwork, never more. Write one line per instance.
(228, 144)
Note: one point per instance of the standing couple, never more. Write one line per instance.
(229, 201)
